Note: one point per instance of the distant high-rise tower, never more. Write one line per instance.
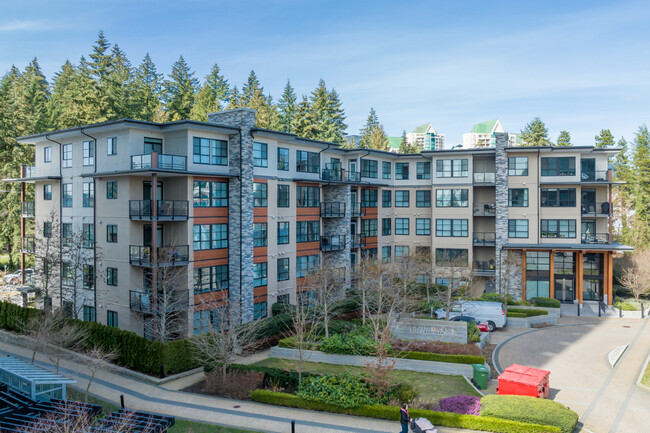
(482, 135)
(426, 138)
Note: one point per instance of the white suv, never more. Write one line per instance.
(16, 276)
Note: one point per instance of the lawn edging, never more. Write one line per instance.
(529, 322)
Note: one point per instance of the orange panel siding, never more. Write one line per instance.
(260, 212)
(211, 212)
(307, 248)
(202, 255)
(208, 301)
(260, 254)
(204, 263)
(307, 213)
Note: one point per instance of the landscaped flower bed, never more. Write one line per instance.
(525, 312)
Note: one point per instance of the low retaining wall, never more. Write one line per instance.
(485, 339)
(527, 322)
(430, 330)
(447, 368)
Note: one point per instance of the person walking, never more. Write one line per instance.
(404, 418)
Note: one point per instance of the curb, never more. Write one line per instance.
(638, 381)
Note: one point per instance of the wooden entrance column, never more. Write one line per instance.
(523, 275)
(551, 278)
(579, 275)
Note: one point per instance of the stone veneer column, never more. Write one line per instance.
(338, 226)
(240, 207)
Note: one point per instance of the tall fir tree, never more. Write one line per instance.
(35, 94)
(371, 123)
(120, 90)
(212, 97)
(641, 188)
(564, 139)
(604, 139)
(535, 133)
(148, 85)
(304, 125)
(372, 134)
(406, 147)
(623, 193)
(287, 106)
(235, 99)
(61, 106)
(180, 91)
(335, 125)
(99, 69)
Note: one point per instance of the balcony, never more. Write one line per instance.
(482, 239)
(171, 302)
(27, 244)
(484, 268)
(593, 209)
(358, 241)
(166, 256)
(167, 210)
(333, 209)
(595, 238)
(485, 178)
(27, 209)
(158, 160)
(358, 211)
(595, 176)
(485, 209)
(353, 176)
(332, 243)
(332, 172)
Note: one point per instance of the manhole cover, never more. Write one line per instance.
(625, 326)
(236, 407)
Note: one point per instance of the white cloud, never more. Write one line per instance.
(26, 26)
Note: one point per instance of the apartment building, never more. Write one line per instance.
(426, 138)
(483, 135)
(226, 212)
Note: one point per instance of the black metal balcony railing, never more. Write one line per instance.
(166, 256)
(358, 241)
(595, 176)
(352, 176)
(332, 243)
(485, 267)
(332, 172)
(485, 209)
(168, 210)
(27, 209)
(30, 171)
(596, 209)
(595, 238)
(167, 302)
(358, 210)
(485, 177)
(484, 238)
(332, 209)
(166, 162)
(27, 244)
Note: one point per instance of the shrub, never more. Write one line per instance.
(404, 393)
(279, 308)
(345, 306)
(438, 347)
(529, 410)
(464, 404)
(516, 315)
(345, 390)
(455, 359)
(236, 384)
(473, 333)
(336, 327)
(527, 312)
(292, 343)
(348, 345)
(546, 302)
(274, 376)
(625, 306)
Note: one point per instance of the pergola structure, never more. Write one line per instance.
(35, 382)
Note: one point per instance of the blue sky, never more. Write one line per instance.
(578, 65)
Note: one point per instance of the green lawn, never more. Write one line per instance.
(646, 376)
(181, 426)
(433, 386)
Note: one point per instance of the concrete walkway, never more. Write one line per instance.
(167, 400)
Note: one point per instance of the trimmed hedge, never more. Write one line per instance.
(530, 410)
(439, 357)
(382, 411)
(526, 312)
(272, 375)
(13, 317)
(546, 302)
(516, 315)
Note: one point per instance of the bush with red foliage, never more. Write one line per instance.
(436, 347)
(463, 404)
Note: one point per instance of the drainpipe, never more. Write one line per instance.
(94, 224)
(47, 137)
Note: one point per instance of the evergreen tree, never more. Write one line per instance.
(623, 193)
(371, 123)
(604, 139)
(235, 99)
(61, 107)
(287, 108)
(180, 91)
(535, 133)
(147, 90)
(267, 115)
(372, 134)
(99, 69)
(35, 93)
(405, 147)
(212, 97)
(641, 187)
(304, 125)
(120, 89)
(334, 127)
(564, 139)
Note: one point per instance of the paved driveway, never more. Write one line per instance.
(607, 399)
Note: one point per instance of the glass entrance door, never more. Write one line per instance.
(592, 290)
(564, 289)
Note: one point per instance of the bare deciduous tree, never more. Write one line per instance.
(458, 276)
(40, 329)
(327, 285)
(636, 273)
(47, 256)
(96, 359)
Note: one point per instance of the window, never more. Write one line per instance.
(386, 198)
(66, 274)
(368, 198)
(451, 227)
(446, 168)
(307, 231)
(401, 226)
(111, 276)
(67, 156)
(111, 190)
(47, 154)
(385, 226)
(558, 228)
(210, 151)
(210, 236)
(283, 233)
(210, 279)
(89, 153)
(88, 194)
(111, 233)
(88, 235)
(66, 234)
(401, 251)
(518, 166)
(385, 170)
(517, 228)
(369, 168)
(47, 229)
(260, 194)
(402, 198)
(283, 269)
(307, 196)
(305, 265)
(423, 170)
(368, 227)
(259, 310)
(111, 146)
(538, 264)
(259, 274)
(152, 145)
(423, 198)
(210, 194)
(518, 197)
(423, 226)
(259, 235)
(111, 318)
(401, 170)
(369, 253)
(283, 159)
(559, 166)
(385, 254)
(451, 257)
(89, 277)
(260, 155)
(307, 162)
(89, 313)
(47, 192)
(558, 197)
(452, 198)
(67, 195)
(283, 196)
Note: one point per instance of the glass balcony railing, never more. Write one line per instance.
(595, 175)
(594, 209)
(27, 209)
(485, 209)
(332, 209)
(358, 241)
(484, 267)
(352, 176)
(167, 210)
(332, 243)
(166, 256)
(27, 244)
(484, 238)
(358, 210)
(169, 302)
(595, 238)
(485, 177)
(158, 160)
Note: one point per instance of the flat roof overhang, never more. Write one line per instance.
(614, 246)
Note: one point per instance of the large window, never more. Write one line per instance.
(307, 162)
(152, 145)
(66, 161)
(210, 279)
(260, 310)
(518, 197)
(368, 227)
(67, 195)
(210, 236)
(89, 152)
(451, 227)
(307, 231)
(558, 197)
(111, 276)
(66, 234)
(385, 226)
(89, 277)
(451, 257)
(111, 189)
(517, 228)
(451, 168)
(402, 226)
(47, 191)
(88, 194)
(47, 154)
(111, 233)
(260, 274)
(111, 146)
(89, 313)
(518, 166)
(283, 159)
(284, 198)
(368, 198)
(538, 267)
(401, 170)
(386, 198)
(423, 226)
(452, 198)
(306, 265)
(260, 154)
(111, 319)
(369, 168)
(307, 196)
(47, 229)
(401, 251)
(559, 166)
(402, 198)
(210, 194)
(283, 233)
(423, 198)
(210, 151)
(385, 254)
(283, 269)
(385, 170)
(260, 238)
(558, 229)
(260, 194)
(88, 233)
(423, 170)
